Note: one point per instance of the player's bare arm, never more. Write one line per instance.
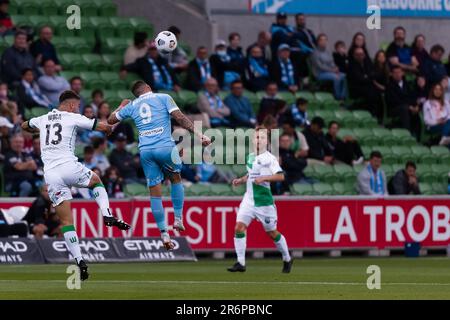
(187, 124)
(112, 117)
(104, 127)
(26, 127)
(240, 180)
(278, 177)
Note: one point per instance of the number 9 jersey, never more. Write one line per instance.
(58, 130)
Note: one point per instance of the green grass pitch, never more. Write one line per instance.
(311, 278)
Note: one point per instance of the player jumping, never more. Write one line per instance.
(151, 113)
(263, 168)
(58, 130)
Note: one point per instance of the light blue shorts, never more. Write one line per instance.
(159, 162)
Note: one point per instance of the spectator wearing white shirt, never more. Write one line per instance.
(138, 49)
(436, 114)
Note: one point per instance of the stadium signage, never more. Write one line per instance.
(393, 8)
(313, 222)
(19, 251)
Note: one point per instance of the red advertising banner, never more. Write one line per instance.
(306, 223)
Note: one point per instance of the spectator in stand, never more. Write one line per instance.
(29, 94)
(6, 24)
(271, 103)
(178, 59)
(418, 49)
(199, 70)
(97, 97)
(41, 216)
(372, 179)
(154, 70)
(324, 69)
(281, 32)
(51, 84)
(36, 156)
(76, 85)
(299, 143)
(284, 71)
(123, 160)
(401, 102)
(303, 36)
(114, 183)
(42, 49)
(257, 70)
(263, 42)
(421, 90)
(100, 146)
(211, 103)
(297, 113)
(405, 181)
(433, 69)
(380, 71)
(446, 88)
(138, 49)
(319, 150)
(436, 114)
(291, 162)
(8, 105)
(84, 135)
(227, 70)
(361, 83)
(19, 169)
(235, 53)
(400, 54)
(359, 41)
(103, 111)
(5, 129)
(241, 111)
(15, 59)
(89, 161)
(340, 56)
(447, 65)
(346, 150)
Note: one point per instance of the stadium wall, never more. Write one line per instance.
(309, 223)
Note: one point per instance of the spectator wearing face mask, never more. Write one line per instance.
(227, 70)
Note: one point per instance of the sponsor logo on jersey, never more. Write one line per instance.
(152, 132)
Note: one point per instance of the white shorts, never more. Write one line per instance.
(61, 178)
(267, 215)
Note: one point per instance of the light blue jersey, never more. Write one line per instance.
(151, 114)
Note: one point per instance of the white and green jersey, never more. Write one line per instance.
(264, 164)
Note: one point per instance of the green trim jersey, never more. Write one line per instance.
(264, 164)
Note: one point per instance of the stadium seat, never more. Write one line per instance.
(141, 24)
(79, 45)
(58, 23)
(323, 189)
(123, 26)
(439, 187)
(441, 172)
(48, 8)
(61, 45)
(20, 20)
(113, 61)
(106, 8)
(325, 173)
(239, 170)
(95, 62)
(402, 153)
(239, 190)
(364, 118)
(347, 189)
(345, 119)
(221, 189)
(303, 189)
(383, 136)
(326, 100)
(131, 78)
(135, 189)
(72, 62)
(88, 7)
(29, 8)
(112, 80)
(68, 74)
(189, 97)
(441, 153)
(103, 26)
(287, 96)
(116, 45)
(38, 21)
(426, 188)
(423, 154)
(345, 173)
(38, 111)
(92, 80)
(199, 189)
(365, 136)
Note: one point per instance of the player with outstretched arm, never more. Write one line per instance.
(152, 114)
(58, 130)
(262, 169)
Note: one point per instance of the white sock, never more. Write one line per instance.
(240, 244)
(72, 242)
(283, 248)
(101, 197)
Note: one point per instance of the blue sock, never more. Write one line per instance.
(177, 195)
(158, 213)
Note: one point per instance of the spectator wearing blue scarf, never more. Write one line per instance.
(200, 70)
(227, 69)
(298, 113)
(209, 102)
(257, 70)
(154, 70)
(281, 32)
(284, 71)
(372, 179)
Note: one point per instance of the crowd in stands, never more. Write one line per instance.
(407, 81)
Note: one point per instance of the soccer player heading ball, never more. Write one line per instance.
(263, 168)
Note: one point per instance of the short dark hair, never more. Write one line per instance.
(174, 29)
(139, 37)
(88, 149)
(68, 95)
(20, 33)
(236, 82)
(410, 164)
(270, 83)
(25, 70)
(395, 67)
(137, 88)
(332, 122)
(321, 35)
(339, 43)
(376, 154)
(96, 92)
(301, 102)
(436, 48)
(299, 15)
(97, 142)
(399, 28)
(75, 78)
(232, 35)
(318, 121)
(47, 60)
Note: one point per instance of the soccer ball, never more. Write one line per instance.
(166, 42)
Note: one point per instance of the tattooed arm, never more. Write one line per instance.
(187, 124)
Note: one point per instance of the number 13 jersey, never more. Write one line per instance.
(58, 130)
